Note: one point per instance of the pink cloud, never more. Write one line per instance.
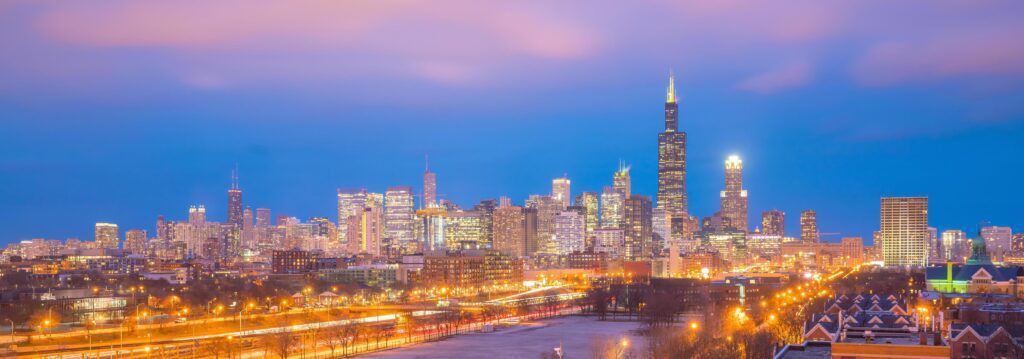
(991, 52)
(786, 77)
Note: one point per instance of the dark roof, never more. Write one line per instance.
(965, 272)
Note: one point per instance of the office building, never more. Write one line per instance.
(809, 226)
(135, 241)
(638, 228)
(570, 229)
(672, 159)
(613, 207)
(235, 202)
(998, 240)
(904, 231)
(106, 236)
(351, 202)
(773, 222)
(734, 198)
(955, 246)
(509, 229)
(547, 208)
(621, 181)
(561, 191)
(399, 213)
(589, 202)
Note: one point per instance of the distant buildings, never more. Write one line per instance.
(570, 231)
(509, 229)
(638, 233)
(999, 240)
(399, 213)
(135, 241)
(466, 269)
(904, 231)
(613, 208)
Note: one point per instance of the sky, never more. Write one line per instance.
(122, 110)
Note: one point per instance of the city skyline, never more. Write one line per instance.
(830, 117)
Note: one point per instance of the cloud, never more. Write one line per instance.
(789, 76)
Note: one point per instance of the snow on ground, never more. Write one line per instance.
(528, 340)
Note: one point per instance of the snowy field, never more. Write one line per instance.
(528, 340)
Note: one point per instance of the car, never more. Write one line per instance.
(180, 320)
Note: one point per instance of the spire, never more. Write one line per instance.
(234, 177)
(426, 163)
(671, 95)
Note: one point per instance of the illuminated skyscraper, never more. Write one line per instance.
(547, 208)
(509, 229)
(135, 241)
(660, 228)
(560, 191)
(589, 202)
(398, 218)
(638, 230)
(235, 202)
(672, 159)
(809, 226)
(429, 187)
(463, 230)
(106, 236)
(954, 245)
(621, 181)
(263, 217)
(350, 203)
(197, 215)
(613, 209)
(904, 231)
(773, 223)
(569, 232)
(998, 240)
(486, 209)
(734, 197)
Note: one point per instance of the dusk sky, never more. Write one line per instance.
(118, 111)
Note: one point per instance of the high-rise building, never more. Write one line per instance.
(570, 228)
(610, 241)
(429, 188)
(638, 228)
(106, 236)
(661, 225)
(509, 229)
(547, 208)
(998, 240)
(486, 209)
(197, 215)
(773, 223)
(613, 207)
(621, 181)
(904, 231)
(1018, 242)
(954, 245)
(560, 191)
(135, 241)
(161, 228)
(432, 222)
(531, 231)
(589, 202)
(263, 217)
(463, 230)
(734, 197)
(672, 159)
(399, 213)
(350, 203)
(809, 226)
(235, 202)
(853, 250)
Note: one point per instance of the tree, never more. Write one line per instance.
(334, 338)
(280, 342)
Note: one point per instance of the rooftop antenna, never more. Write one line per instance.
(234, 177)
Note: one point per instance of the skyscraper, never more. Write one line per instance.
(672, 159)
(350, 203)
(235, 202)
(509, 229)
(613, 205)
(560, 190)
(734, 197)
(638, 228)
(773, 223)
(589, 202)
(263, 217)
(547, 208)
(399, 211)
(569, 232)
(197, 215)
(809, 226)
(486, 209)
(998, 240)
(135, 241)
(621, 181)
(429, 187)
(106, 236)
(904, 231)
(954, 245)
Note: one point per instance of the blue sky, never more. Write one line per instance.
(123, 110)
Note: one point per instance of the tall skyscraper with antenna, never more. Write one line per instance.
(671, 196)
(235, 210)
